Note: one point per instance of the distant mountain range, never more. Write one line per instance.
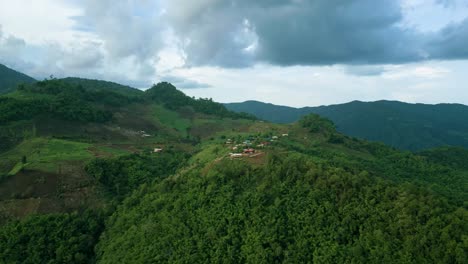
(10, 78)
(401, 125)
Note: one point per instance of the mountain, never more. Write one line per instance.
(9, 79)
(102, 86)
(51, 129)
(91, 173)
(401, 125)
(269, 112)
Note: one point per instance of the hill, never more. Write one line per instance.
(94, 175)
(102, 86)
(51, 129)
(311, 196)
(9, 79)
(401, 125)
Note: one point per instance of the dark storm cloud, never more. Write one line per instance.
(329, 32)
(451, 42)
(239, 33)
(213, 32)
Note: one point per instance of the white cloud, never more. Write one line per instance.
(420, 71)
(40, 21)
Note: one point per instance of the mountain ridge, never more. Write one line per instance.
(338, 104)
(402, 125)
(10, 78)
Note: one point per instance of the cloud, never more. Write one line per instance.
(212, 32)
(11, 50)
(450, 42)
(452, 3)
(125, 27)
(87, 55)
(142, 39)
(412, 72)
(10, 46)
(184, 83)
(240, 33)
(366, 70)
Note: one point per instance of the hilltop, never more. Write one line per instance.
(10, 78)
(401, 125)
(102, 86)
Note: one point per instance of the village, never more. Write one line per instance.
(247, 146)
(250, 147)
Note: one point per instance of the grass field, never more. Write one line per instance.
(171, 119)
(45, 154)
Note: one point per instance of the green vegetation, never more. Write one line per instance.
(45, 154)
(316, 124)
(307, 194)
(168, 95)
(103, 86)
(292, 210)
(57, 99)
(9, 79)
(404, 126)
(172, 119)
(17, 168)
(448, 156)
(126, 173)
(54, 238)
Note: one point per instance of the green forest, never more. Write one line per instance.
(290, 211)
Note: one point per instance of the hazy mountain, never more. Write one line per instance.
(10, 78)
(401, 125)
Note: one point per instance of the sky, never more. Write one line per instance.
(287, 52)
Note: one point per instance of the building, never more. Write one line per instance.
(249, 151)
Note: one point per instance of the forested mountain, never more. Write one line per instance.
(94, 172)
(401, 125)
(102, 86)
(9, 79)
